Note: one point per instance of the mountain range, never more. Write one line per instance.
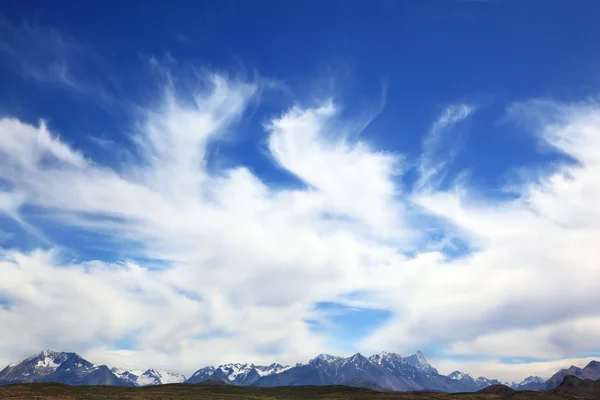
(590, 371)
(382, 371)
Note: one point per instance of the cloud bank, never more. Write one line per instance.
(237, 264)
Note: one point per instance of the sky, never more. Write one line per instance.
(191, 183)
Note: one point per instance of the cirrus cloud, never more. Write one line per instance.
(244, 261)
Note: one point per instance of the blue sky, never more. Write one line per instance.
(301, 177)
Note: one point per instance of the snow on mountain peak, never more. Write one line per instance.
(162, 376)
(384, 355)
(236, 371)
(532, 379)
(148, 377)
(233, 370)
(328, 358)
(274, 368)
(418, 356)
(325, 356)
(418, 360)
(47, 362)
(457, 375)
(414, 370)
(205, 370)
(41, 354)
(356, 359)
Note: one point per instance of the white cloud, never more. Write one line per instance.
(246, 261)
(439, 148)
(349, 179)
(529, 277)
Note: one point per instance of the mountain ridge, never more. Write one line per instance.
(382, 371)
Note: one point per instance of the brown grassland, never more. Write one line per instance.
(43, 391)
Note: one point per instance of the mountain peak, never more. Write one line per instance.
(418, 355)
(458, 375)
(326, 357)
(384, 355)
(593, 364)
(355, 359)
(384, 369)
(43, 353)
(418, 360)
(532, 379)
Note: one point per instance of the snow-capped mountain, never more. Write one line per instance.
(148, 377)
(418, 360)
(274, 368)
(129, 376)
(35, 367)
(381, 371)
(201, 375)
(457, 375)
(241, 374)
(52, 366)
(384, 356)
(233, 370)
(163, 376)
(72, 369)
(329, 358)
(471, 384)
(530, 381)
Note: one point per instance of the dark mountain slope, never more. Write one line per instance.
(590, 371)
(497, 389)
(576, 387)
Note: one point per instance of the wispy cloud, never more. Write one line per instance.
(439, 148)
(46, 56)
(102, 142)
(37, 52)
(251, 259)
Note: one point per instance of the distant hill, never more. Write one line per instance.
(576, 387)
(215, 380)
(497, 389)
